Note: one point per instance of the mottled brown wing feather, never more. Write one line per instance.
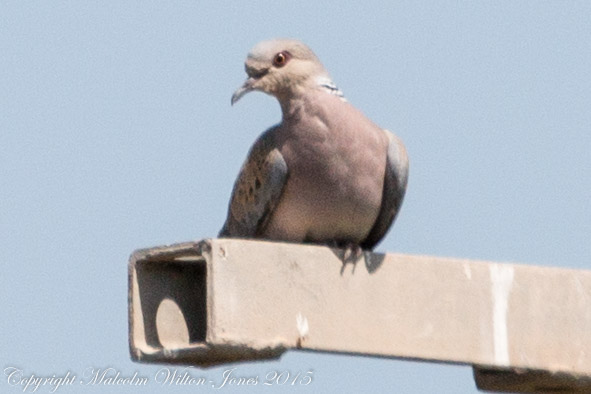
(257, 190)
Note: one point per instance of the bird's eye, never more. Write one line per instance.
(281, 59)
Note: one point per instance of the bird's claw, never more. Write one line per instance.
(352, 253)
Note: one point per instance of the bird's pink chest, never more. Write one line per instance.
(335, 174)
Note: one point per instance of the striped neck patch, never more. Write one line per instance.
(328, 86)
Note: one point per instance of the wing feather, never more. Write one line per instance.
(395, 181)
(257, 190)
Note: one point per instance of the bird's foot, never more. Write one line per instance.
(347, 252)
(350, 255)
(352, 252)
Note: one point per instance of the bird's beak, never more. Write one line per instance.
(242, 90)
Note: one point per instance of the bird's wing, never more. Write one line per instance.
(257, 190)
(395, 181)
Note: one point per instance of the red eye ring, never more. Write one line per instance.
(281, 59)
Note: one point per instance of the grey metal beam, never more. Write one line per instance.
(217, 301)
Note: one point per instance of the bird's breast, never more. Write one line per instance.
(335, 179)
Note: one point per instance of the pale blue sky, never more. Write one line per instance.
(116, 132)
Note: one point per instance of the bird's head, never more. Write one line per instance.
(280, 68)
